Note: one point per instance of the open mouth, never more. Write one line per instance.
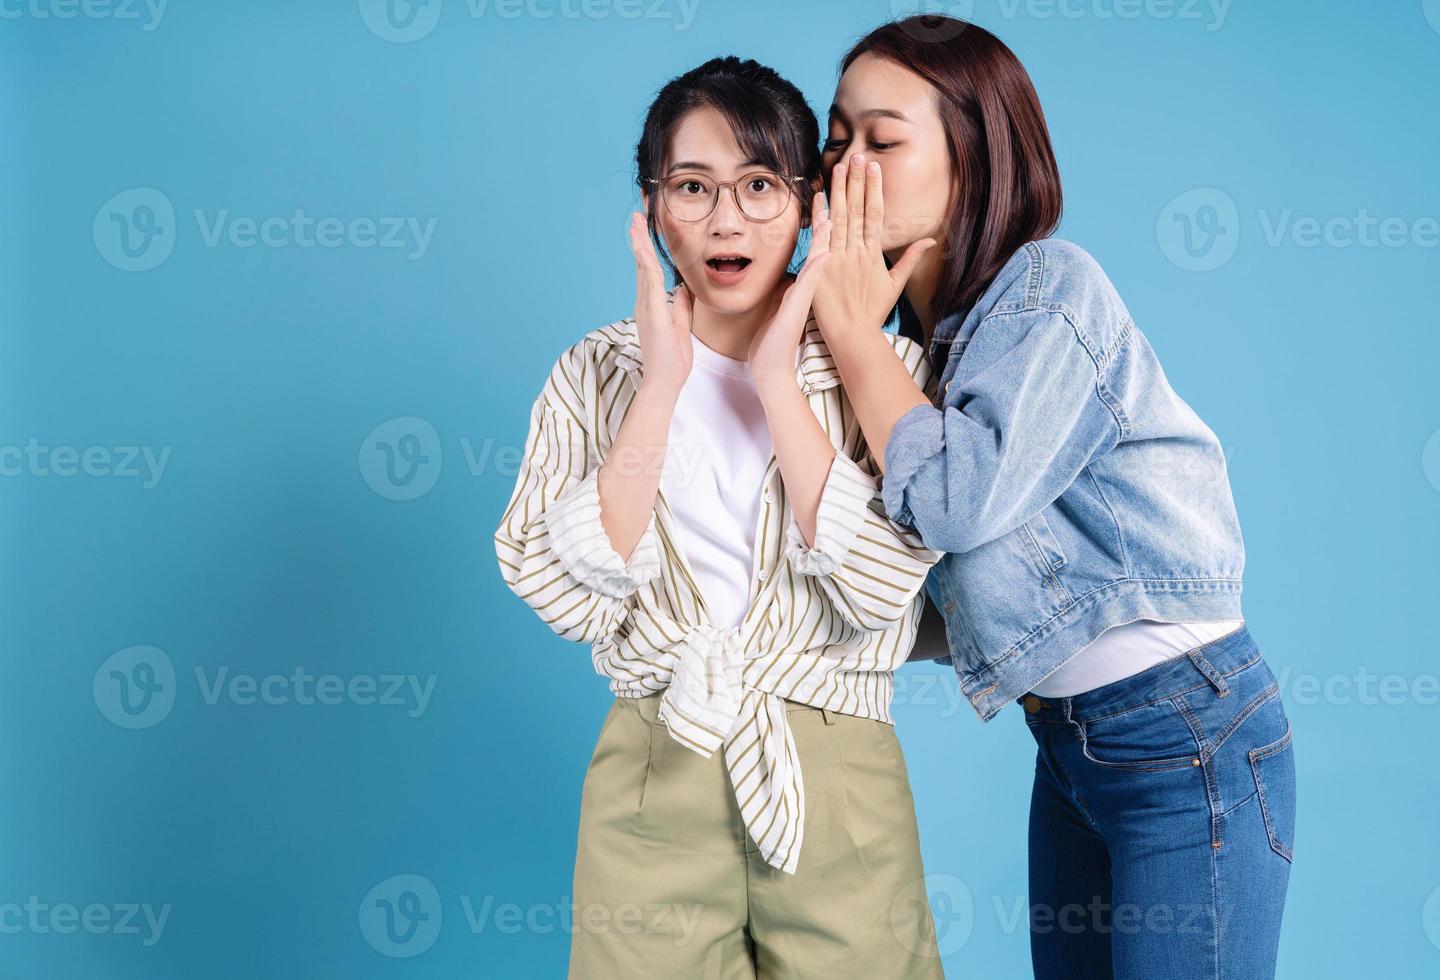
(727, 264)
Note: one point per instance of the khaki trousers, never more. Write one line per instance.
(669, 884)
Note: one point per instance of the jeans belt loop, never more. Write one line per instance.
(1068, 705)
(1212, 675)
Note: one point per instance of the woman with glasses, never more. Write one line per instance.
(697, 502)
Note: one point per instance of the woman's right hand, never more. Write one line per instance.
(858, 289)
(663, 326)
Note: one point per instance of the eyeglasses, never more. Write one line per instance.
(760, 195)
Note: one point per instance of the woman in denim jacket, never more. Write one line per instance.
(1094, 558)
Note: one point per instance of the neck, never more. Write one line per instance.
(728, 333)
(921, 287)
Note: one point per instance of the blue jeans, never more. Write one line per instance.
(1162, 822)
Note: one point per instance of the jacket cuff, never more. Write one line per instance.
(578, 539)
(916, 436)
(844, 502)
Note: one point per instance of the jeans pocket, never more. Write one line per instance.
(1274, 768)
(1151, 738)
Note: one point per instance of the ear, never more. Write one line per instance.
(815, 185)
(647, 201)
(652, 217)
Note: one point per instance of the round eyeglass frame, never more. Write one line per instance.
(788, 182)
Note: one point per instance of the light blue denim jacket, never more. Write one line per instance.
(1070, 485)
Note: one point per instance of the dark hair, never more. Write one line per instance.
(1009, 186)
(768, 115)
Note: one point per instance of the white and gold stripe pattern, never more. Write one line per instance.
(825, 625)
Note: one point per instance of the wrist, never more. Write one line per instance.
(775, 390)
(659, 388)
(836, 328)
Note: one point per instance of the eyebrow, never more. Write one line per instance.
(705, 167)
(835, 110)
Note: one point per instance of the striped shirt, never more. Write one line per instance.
(825, 625)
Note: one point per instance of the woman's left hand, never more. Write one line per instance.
(772, 350)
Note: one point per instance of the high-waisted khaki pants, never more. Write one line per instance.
(668, 883)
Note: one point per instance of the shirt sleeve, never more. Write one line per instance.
(869, 566)
(553, 549)
(1006, 441)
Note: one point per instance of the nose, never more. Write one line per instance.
(847, 158)
(727, 219)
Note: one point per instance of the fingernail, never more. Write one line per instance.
(874, 167)
(857, 161)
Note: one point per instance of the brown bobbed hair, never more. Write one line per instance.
(1008, 185)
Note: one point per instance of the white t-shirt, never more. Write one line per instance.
(1126, 650)
(719, 449)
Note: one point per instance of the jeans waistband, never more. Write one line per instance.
(1205, 666)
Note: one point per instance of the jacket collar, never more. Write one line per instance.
(814, 367)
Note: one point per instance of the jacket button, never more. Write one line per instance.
(1032, 704)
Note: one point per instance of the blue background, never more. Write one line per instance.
(275, 538)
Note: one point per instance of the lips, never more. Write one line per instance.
(727, 263)
(726, 270)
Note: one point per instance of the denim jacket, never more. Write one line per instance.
(1071, 487)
